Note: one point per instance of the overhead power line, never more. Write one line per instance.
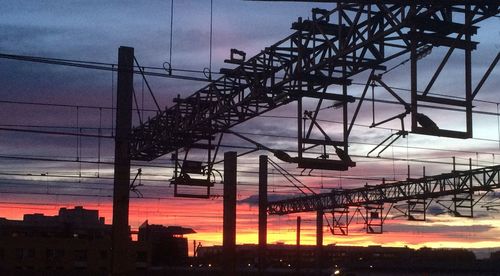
(153, 71)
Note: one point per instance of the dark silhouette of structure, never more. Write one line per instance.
(78, 241)
(330, 49)
(168, 247)
(372, 203)
(349, 260)
(121, 184)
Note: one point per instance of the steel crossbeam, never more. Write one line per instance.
(327, 50)
(454, 183)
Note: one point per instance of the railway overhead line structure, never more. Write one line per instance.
(329, 50)
(325, 51)
(456, 192)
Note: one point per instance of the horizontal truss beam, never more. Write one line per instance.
(453, 183)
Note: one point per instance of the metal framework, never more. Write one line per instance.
(452, 191)
(461, 185)
(327, 50)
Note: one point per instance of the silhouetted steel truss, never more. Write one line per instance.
(321, 53)
(456, 190)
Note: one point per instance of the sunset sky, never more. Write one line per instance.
(41, 172)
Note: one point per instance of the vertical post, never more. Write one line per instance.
(319, 240)
(194, 248)
(297, 260)
(299, 128)
(468, 70)
(342, 45)
(413, 72)
(298, 71)
(262, 212)
(454, 187)
(120, 228)
(229, 224)
(471, 190)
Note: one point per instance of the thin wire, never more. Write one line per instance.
(99, 133)
(77, 135)
(498, 127)
(171, 30)
(371, 144)
(147, 84)
(211, 32)
(285, 172)
(80, 156)
(230, 146)
(74, 161)
(393, 164)
(137, 106)
(373, 103)
(65, 105)
(50, 126)
(142, 99)
(112, 101)
(98, 65)
(407, 150)
(154, 110)
(56, 132)
(91, 65)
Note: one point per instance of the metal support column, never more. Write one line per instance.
(413, 74)
(229, 224)
(121, 233)
(297, 260)
(262, 212)
(468, 70)
(319, 240)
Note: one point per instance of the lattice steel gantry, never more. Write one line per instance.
(456, 189)
(324, 51)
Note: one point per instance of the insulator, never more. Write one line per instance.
(426, 122)
(283, 156)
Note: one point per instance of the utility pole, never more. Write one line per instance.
(262, 213)
(229, 223)
(121, 233)
(297, 260)
(319, 240)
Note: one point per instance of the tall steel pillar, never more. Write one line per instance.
(319, 240)
(297, 259)
(468, 70)
(120, 228)
(229, 224)
(262, 213)
(413, 73)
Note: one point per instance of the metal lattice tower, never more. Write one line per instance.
(326, 50)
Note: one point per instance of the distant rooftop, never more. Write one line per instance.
(165, 230)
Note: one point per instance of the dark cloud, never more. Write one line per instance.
(28, 39)
(436, 210)
(254, 199)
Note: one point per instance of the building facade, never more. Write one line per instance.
(78, 241)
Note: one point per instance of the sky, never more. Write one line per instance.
(42, 172)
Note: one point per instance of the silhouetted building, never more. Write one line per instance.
(285, 255)
(168, 246)
(350, 260)
(495, 255)
(78, 240)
